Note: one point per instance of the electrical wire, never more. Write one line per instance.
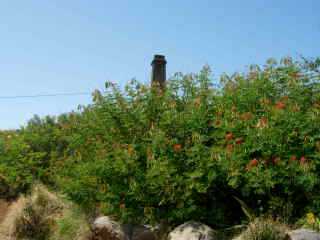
(46, 95)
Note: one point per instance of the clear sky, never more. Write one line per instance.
(58, 46)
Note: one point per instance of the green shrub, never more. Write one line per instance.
(143, 155)
(18, 165)
(179, 154)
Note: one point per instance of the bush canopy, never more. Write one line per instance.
(145, 155)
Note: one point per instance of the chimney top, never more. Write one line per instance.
(159, 59)
(158, 76)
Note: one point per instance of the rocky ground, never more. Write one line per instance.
(65, 223)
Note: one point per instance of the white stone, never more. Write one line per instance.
(192, 231)
(105, 228)
(303, 234)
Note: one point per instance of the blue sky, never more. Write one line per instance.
(75, 46)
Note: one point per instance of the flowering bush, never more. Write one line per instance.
(147, 155)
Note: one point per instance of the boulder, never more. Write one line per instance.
(138, 232)
(303, 234)
(103, 228)
(192, 231)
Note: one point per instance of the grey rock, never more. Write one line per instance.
(192, 231)
(137, 232)
(103, 228)
(303, 234)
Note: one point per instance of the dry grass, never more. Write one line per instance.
(38, 216)
(43, 216)
(8, 224)
(264, 229)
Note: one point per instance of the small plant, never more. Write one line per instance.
(36, 219)
(248, 212)
(310, 221)
(71, 225)
(264, 229)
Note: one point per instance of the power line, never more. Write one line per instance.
(46, 95)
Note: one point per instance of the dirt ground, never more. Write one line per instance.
(4, 207)
(8, 212)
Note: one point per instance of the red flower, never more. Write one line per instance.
(280, 105)
(229, 136)
(239, 141)
(303, 160)
(293, 158)
(177, 147)
(253, 163)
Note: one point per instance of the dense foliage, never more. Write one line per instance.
(147, 155)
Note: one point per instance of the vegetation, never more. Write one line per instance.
(264, 229)
(44, 215)
(309, 221)
(145, 155)
(37, 217)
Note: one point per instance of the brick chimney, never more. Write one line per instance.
(158, 75)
